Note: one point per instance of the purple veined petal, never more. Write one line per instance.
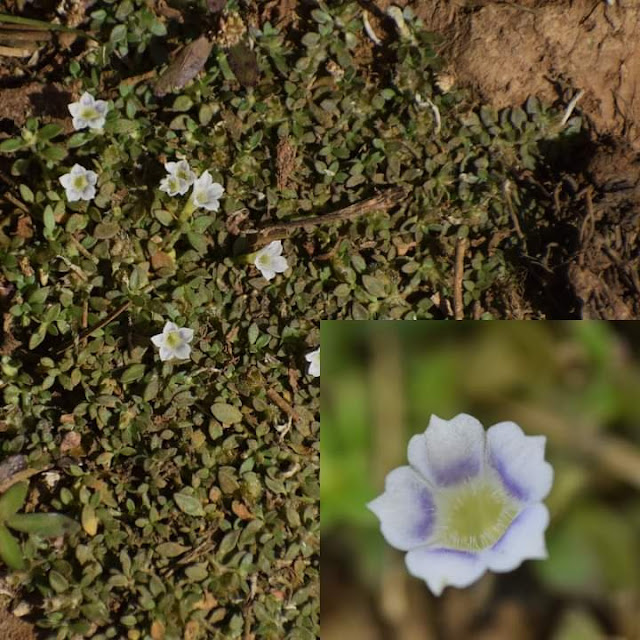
(519, 461)
(77, 170)
(101, 106)
(169, 327)
(523, 540)
(88, 193)
(186, 334)
(166, 353)
(441, 568)
(170, 167)
(65, 180)
(86, 99)
(449, 451)
(406, 509)
(158, 340)
(182, 351)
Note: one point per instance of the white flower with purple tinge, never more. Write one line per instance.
(207, 193)
(469, 502)
(313, 358)
(269, 260)
(173, 342)
(179, 178)
(88, 112)
(79, 183)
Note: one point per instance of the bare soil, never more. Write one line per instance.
(507, 51)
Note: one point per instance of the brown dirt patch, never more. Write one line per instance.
(605, 273)
(508, 51)
(47, 101)
(12, 628)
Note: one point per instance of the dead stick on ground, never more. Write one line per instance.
(382, 202)
(274, 396)
(104, 322)
(458, 303)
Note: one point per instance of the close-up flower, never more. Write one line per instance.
(269, 260)
(173, 342)
(179, 178)
(313, 358)
(88, 112)
(207, 193)
(469, 502)
(79, 183)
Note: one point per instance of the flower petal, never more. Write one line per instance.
(169, 326)
(519, 460)
(406, 509)
(216, 190)
(523, 540)
(182, 351)
(273, 248)
(186, 334)
(267, 274)
(279, 264)
(166, 353)
(158, 340)
(449, 451)
(440, 568)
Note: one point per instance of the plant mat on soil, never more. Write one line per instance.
(395, 194)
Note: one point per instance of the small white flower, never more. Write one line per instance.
(270, 261)
(88, 112)
(470, 501)
(179, 178)
(173, 342)
(207, 193)
(313, 359)
(79, 183)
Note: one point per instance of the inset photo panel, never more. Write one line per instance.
(480, 480)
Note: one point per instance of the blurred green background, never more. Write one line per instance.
(578, 383)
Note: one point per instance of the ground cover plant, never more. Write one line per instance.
(175, 224)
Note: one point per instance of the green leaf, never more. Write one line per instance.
(171, 549)
(49, 218)
(106, 230)
(55, 154)
(10, 551)
(12, 144)
(49, 131)
(118, 33)
(57, 581)
(133, 373)
(182, 103)
(226, 413)
(47, 525)
(37, 337)
(229, 542)
(26, 193)
(12, 500)
(188, 504)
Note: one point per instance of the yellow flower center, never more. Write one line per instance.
(88, 113)
(79, 182)
(474, 515)
(173, 339)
